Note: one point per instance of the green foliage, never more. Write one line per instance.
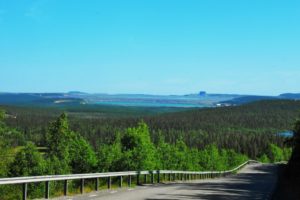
(210, 158)
(177, 156)
(275, 153)
(137, 148)
(264, 159)
(57, 138)
(135, 151)
(4, 158)
(28, 162)
(57, 166)
(9, 138)
(235, 159)
(69, 151)
(109, 155)
(2, 114)
(165, 154)
(287, 152)
(82, 156)
(57, 143)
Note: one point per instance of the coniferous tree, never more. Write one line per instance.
(68, 152)
(58, 138)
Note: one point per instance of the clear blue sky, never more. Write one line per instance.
(153, 46)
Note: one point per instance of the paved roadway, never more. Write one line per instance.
(255, 181)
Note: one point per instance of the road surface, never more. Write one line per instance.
(255, 181)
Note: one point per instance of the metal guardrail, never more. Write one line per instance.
(183, 175)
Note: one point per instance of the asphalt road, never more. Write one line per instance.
(255, 181)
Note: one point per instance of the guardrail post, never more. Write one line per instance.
(97, 184)
(24, 195)
(120, 181)
(66, 187)
(47, 190)
(138, 179)
(129, 181)
(158, 176)
(109, 182)
(145, 178)
(170, 177)
(152, 177)
(82, 186)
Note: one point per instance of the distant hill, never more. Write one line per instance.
(18, 98)
(247, 99)
(290, 95)
(142, 100)
(253, 98)
(38, 98)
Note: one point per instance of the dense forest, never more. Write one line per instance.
(253, 126)
(37, 141)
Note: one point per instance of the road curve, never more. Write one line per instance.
(255, 181)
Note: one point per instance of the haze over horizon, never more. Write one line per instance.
(150, 47)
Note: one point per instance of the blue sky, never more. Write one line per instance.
(154, 46)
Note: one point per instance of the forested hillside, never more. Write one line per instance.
(247, 129)
(35, 141)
